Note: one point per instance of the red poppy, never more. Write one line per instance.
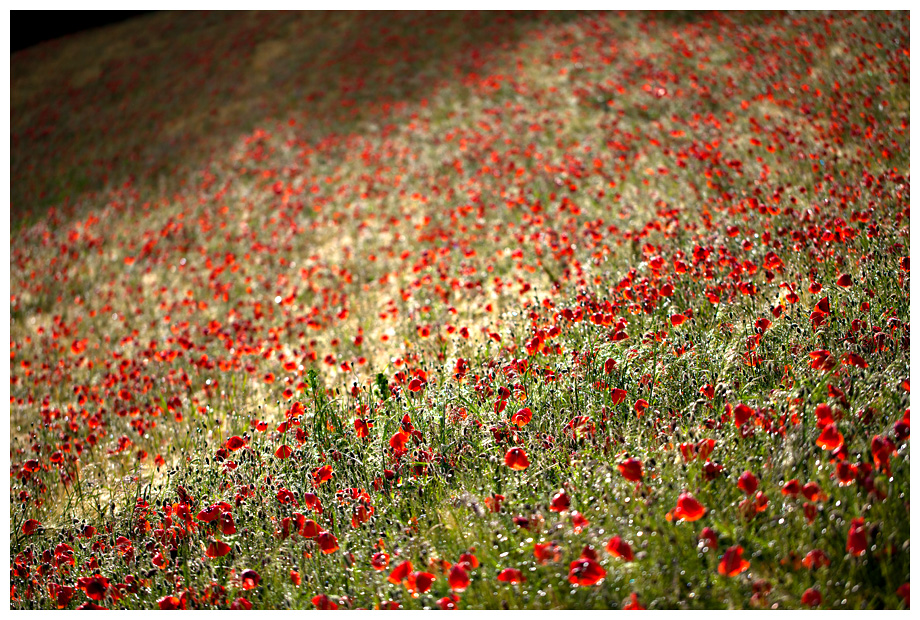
(217, 549)
(249, 579)
(856, 538)
(30, 527)
(811, 597)
(380, 560)
(748, 482)
(296, 579)
(619, 548)
(560, 502)
(743, 413)
(468, 561)
(94, 587)
(284, 451)
(733, 563)
(617, 395)
(321, 475)
(511, 575)
(419, 582)
(311, 501)
(585, 571)
(322, 601)
(633, 603)
(688, 508)
(579, 522)
(641, 406)
(235, 443)
(709, 538)
(458, 579)
(522, 417)
(516, 459)
(169, 602)
(816, 559)
(547, 552)
(400, 573)
(448, 602)
(791, 488)
(830, 438)
(327, 542)
(631, 469)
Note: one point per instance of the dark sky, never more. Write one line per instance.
(28, 28)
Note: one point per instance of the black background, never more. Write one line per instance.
(28, 28)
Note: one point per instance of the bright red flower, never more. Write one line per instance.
(511, 575)
(811, 597)
(641, 406)
(709, 537)
(560, 502)
(748, 482)
(458, 579)
(283, 452)
(815, 559)
(547, 552)
(688, 508)
(856, 538)
(733, 563)
(617, 395)
(30, 527)
(522, 417)
(585, 571)
(516, 459)
(217, 549)
(400, 573)
(249, 579)
(631, 469)
(448, 602)
(830, 438)
(633, 603)
(791, 488)
(618, 547)
(322, 601)
(419, 582)
(327, 542)
(380, 560)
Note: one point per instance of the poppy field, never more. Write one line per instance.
(462, 310)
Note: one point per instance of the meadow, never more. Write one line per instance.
(462, 310)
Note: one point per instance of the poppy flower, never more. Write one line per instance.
(830, 438)
(323, 602)
(709, 538)
(511, 575)
(249, 579)
(811, 597)
(579, 522)
(380, 560)
(733, 563)
(400, 573)
(791, 488)
(283, 451)
(241, 603)
(856, 538)
(522, 417)
(217, 549)
(678, 319)
(748, 482)
(560, 502)
(468, 561)
(169, 602)
(617, 395)
(633, 602)
(688, 508)
(641, 406)
(904, 592)
(815, 558)
(822, 360)
(327, 542)
(619, 548)
(30, 527)
(235, 443)
(585, 571)
(419, 582)
(516, 459)
(321, 475)
(631, 469)
(813, 493)
(547, 552)
(743, 413)
(311, 501)
(458, 579)
(94, 587)
(448, 602)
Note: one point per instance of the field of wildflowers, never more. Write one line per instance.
(462, 310)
